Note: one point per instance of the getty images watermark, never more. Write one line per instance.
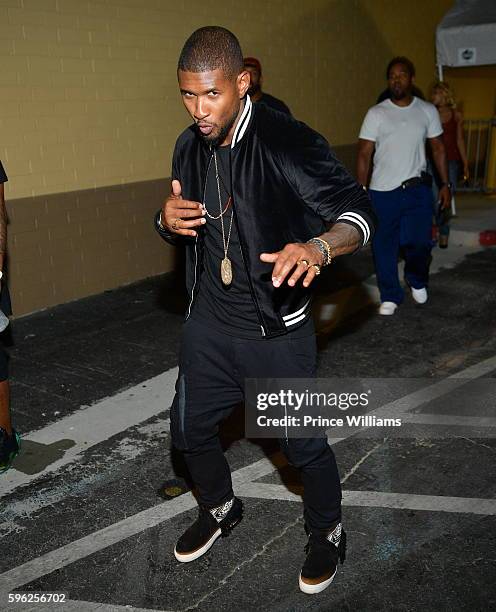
(423, 408)
(303, 403)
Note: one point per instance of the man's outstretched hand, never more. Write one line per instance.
(179, 216)
(297, 258)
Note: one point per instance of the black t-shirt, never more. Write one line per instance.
(231, 308)
(3, 175)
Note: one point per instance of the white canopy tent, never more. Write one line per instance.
(467, 35)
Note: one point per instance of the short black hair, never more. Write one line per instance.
(212, 48)
(401, 59)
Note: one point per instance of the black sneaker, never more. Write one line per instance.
(210, 524)
(324, 549)
(9, 448)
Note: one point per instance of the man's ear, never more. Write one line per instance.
(243, 82)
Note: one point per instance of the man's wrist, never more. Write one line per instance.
(318, 255)
(325, 249)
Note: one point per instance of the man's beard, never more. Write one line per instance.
(399, 95)
(253, 89)
(215, 141)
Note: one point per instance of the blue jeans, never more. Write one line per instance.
(404, 221)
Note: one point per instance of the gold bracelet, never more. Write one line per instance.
(324, 247)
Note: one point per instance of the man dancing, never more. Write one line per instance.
(253, 194)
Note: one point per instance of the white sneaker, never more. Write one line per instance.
(387, 308)
(419, 295)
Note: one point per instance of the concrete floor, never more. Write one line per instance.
(84, 511)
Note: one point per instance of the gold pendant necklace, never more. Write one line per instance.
(226, 272)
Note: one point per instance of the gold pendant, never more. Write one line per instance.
(226, 271)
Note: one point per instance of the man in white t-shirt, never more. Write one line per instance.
(400, 189)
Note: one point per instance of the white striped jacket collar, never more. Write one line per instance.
(243, 122)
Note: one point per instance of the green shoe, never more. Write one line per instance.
(10, 447)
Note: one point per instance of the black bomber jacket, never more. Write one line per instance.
(287, 186)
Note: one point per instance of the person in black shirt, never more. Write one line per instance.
(253, 194)
(9, 438)
(254, 67)
(214, 297)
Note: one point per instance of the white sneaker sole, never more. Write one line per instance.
(420, 296)
(311, 589)
(387, 311)
(187, 557)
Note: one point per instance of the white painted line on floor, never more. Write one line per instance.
(482, 368)
(99, 422)
(99, 540)
(87, 427)
(413, 400)
(83, 478)
(264, 490)
(259, 469)
(429, 503)
(379, 499)
(403, 405)
(137, 523)
(93, 542)
(449, 420)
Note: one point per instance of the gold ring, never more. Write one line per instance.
(174, 224)
(317, 269)
(303, 261)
